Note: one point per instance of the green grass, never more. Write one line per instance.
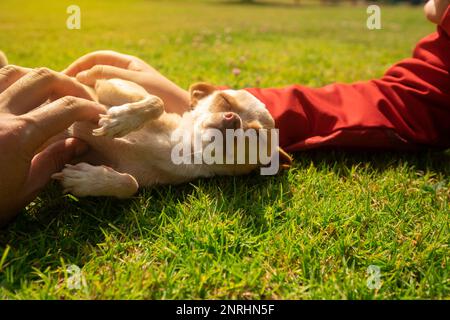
(309, 233)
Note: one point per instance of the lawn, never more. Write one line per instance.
(309, 233)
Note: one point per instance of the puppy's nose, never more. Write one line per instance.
(229, 116)
(231, 120)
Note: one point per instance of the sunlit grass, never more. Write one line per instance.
(310, 232)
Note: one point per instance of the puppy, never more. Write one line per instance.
(138, 144)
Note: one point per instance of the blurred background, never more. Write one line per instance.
(236, 43)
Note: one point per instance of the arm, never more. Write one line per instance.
(106, 64)
(408, 108)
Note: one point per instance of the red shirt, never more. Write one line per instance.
(408, 108)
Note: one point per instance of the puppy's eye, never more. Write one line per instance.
(225, 106)
(224, 103)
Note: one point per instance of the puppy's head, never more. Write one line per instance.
(233, 109)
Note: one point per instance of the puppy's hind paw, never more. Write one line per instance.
(84, 179)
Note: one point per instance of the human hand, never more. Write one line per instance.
(110, 64)
(435, 9)
(26, 125)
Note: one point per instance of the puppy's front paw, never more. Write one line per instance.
(118, 122)
(84, 180)
(121, 120)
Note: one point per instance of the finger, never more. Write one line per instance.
(37, 86)
(10, 74)
(43, 123)
(50, 161)
(103, 57)
(89, 77)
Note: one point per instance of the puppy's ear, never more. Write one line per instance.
(285, 159)
(200, 90)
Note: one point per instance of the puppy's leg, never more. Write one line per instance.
(121, 120)
(132, 107)
(84, 179)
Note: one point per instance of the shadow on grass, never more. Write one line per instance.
(339, 161)
(63, 227)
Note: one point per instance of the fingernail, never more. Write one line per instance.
(82, 76)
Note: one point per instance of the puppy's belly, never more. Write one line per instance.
(132, 155)
(144, 154)
(103, 150)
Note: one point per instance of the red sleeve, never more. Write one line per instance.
(408, 108)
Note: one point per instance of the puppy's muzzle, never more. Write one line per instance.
(223, 121)
(231, 120)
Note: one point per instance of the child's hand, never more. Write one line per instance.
(435, 9)
(109, 64)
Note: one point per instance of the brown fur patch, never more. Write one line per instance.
(285, 159)
(255, 124)
(199, 91)
(225, 103)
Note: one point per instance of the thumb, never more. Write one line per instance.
(52, 160)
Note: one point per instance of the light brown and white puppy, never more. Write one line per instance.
(133, 144)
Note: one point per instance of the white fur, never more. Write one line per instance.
(84, 179)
